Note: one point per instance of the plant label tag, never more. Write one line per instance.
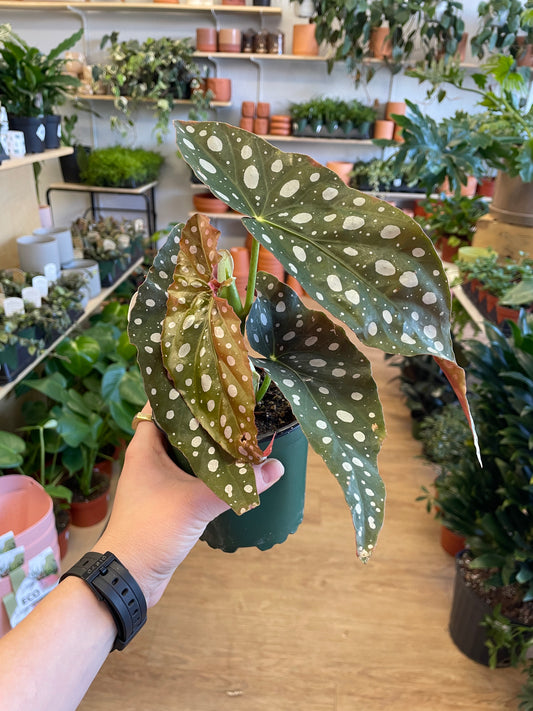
(41, 284)
(11, 559)
(13, 305)
(50, 271)
(41, 131)
(31, 295)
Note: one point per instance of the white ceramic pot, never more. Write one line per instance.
(37, 250)
(90, 268)
(63, 235)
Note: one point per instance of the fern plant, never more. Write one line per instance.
(362, 260)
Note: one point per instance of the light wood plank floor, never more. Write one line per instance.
(306, 626)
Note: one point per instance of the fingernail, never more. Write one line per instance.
(271, 471)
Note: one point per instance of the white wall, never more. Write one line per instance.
(282, 82)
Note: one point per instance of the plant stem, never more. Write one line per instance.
(231, 295)
(252, 274)
(41, 441)
(263, 388)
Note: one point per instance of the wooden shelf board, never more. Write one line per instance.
(81, 187)
(110, 97)
(90, 308)
(35, 158)
(168, 7)
(219, 215)
(310, 139)
(256, 57)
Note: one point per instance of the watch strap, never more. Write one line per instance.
(113, 584)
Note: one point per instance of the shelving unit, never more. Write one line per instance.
(91, 307)
(31, 158)
(182, 102)
(134, 6)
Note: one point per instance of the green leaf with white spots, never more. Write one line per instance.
(366, 262)
(329, 385)
(203, 348)
(231, 480)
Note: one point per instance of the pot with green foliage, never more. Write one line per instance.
(501, 22)
(121, 167)
(31, 85)
(451, 221)
(504, 132)
(492, 508)
(363, 260)
(159, 70)
(73, 164)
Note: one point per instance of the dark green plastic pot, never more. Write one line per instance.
(282, 506)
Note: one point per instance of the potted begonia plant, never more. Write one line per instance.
(361, 259)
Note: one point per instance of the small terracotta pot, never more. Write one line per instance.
(263, 109)
(380, 46)
(87, 513)
(248, 109)
(261, 126)
(206, 39)
(397, 135)
(448, 253)
(220, 87)
(234, 2)
(241, 266)
(342, 169)
(207, 202)
(395, 107)
(384, 129)
(229, 40)
(506, 313)
(450, 541)
(468, 190)
(294, 285)
(485, 188)
(304, 41)
(247, 124)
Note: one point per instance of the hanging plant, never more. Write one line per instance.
(361, 259)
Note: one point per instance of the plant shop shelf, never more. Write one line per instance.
(90, 308)
(161, 7)
(257, 57)
(230, 215)
(35, 158)
(310, 139)
(110, 97)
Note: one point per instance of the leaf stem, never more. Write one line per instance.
(263, 388)
(252, 274)
(230, 293)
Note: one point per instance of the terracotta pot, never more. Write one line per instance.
(397, 135)
(261, 126)
(485, 188)
(247, 124)
(207, 202)
(525, 56)
(263, 109)
(395, 107)
(220, 87)
(206, 39)
(490, 304)
(380, 46)
(384, 129)
(506, 313)
(234, 2)
(468, 190)
(512, 201)
(268, 263)
(342, 169)
(241, 266)
(88, 513)
(450, 541)
(248, 109)
(304, 41)
(448, 253)
(229, 40)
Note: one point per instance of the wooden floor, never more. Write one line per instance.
(305, 626)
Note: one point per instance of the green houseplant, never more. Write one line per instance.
(319, 229)
(33, 83)
(159, 70)
(499, 24)
(121, 167)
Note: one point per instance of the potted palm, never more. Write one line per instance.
(201, 379)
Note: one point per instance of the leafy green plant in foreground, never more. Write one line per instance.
(361, 259)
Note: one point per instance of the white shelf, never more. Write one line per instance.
(324, 141)
(254, 56)
(91, 307)
(110, 97)
(30, 158)
(158, 7)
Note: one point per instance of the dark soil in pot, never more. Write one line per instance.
(273, 412)
(100, 486)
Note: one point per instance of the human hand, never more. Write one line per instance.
(160, 511)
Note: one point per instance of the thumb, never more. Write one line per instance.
(268, 473)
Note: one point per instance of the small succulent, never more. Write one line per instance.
(364, 261)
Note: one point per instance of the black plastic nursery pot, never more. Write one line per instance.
(70, 164)
(281, 509)
(52, 125)
(467, 613)
(33, 129)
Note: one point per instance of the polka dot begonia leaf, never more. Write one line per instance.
(363, 260)
(203, 348)
(231, 479)
(329, 385)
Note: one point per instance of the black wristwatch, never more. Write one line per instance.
(112, 583)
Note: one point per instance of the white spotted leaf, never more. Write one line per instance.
(203, 348)
(329, 385)
(365, 261)
(232, 481)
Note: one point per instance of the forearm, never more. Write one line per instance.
(50, 659)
